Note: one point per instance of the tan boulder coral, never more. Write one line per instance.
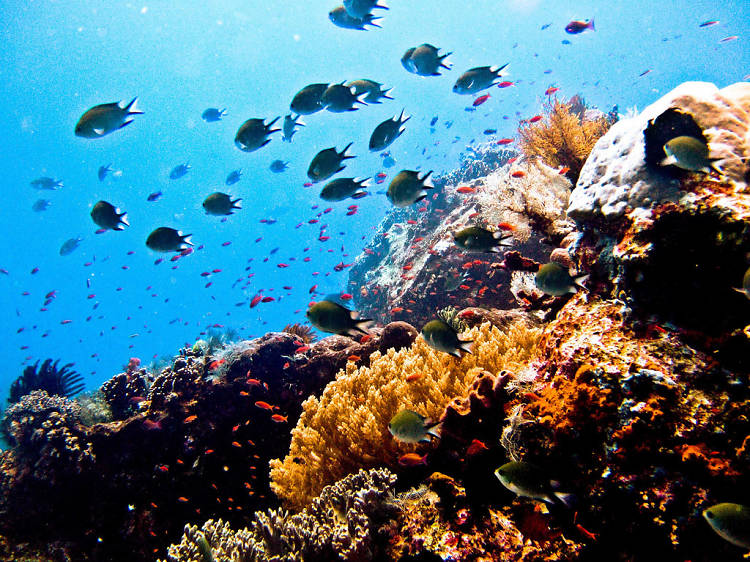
(622, 173)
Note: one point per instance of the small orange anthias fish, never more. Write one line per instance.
(480, 100)
(475, 447)
(412, 459)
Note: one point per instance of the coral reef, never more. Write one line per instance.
(48, 377)
(123, 392)
(347, 427)
(340, 524)
(414, 252)
(564, 136)
(645, 428)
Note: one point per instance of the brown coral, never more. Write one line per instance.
(564, 137)
(347, 427)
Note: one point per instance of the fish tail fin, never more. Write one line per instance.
(186, 239)
(360, 327)
(567, 499)
(271, 124)
(125, 124)
(382, 4)
(579, 280)
(443, 64)
(371, 21)
(465, 346)
(591, 25)
(234, 203)
(343, 152)
(384, 94)
(123, 219)
(131, 109)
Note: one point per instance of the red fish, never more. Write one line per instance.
(267, 299)
(504, 84)
(465, 189)
(504, 141)
(563, 170)
(535, 119)
(412, 459)
(551, 90)
(480, 100)
(577, 26)
(506, 226)
(255, 301)
(518, 174)
(346, 296)
(264, 405)
(278, 418)
(476, 447)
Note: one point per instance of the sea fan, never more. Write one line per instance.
(303, 332)
(49, 377)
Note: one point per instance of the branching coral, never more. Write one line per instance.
(339, 525)
(48, 377)
(347, 427)
(564, 137)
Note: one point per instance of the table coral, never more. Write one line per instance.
(347, 427)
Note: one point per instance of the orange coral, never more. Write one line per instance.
(564, 137)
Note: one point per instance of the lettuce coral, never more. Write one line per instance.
(347, 427)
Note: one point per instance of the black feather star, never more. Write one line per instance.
(48, 377)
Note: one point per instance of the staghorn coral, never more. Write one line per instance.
(303, 332)
(565, 137)
(48, 377)
(347, 427)
(339, 525)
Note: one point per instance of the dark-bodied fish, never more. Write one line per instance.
(47, 183)
(387, 132)
(106, 215)
(556, 280)
(254, 134)
(326, 163)
(103, 171)
(179, 171)
(220, 204)
(440, 335)
(40, 205)
(165, 239)
(689, 153)
(341, 188)
(407, 188)
(331, 317)
(339, 98)
(374, 90)
(478, 239)
(212, 114)
(477, 79)
(424, 60)
(361, 8)
(731, 521)
(308, 99)
(233, 177)
(154, 196)
(69, 245)
(106, 118)
(525, 479)
(411, 427)
(291, 122)
(577, 26)
(340, 18)
(278, 166)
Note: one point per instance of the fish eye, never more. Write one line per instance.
(709, 514)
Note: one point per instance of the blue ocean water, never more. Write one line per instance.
(60, 58)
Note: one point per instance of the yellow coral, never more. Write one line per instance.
(563, 138)
(347, 428)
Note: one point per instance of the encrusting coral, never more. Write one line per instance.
(347, 427)
(564, 137)
(340, 524)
